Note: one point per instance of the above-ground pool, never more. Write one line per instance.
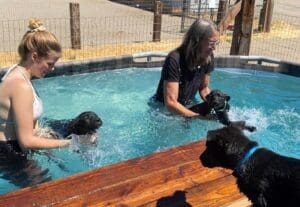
(133, 126)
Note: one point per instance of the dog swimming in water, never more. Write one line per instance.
(82, 130)
(216, 107)
(84, 126)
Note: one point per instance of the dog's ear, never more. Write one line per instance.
(71, 127)
(227, 97)
(210, 96)
(78, 126)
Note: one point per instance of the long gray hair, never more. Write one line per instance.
(191, 45)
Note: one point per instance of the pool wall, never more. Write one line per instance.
(156, 59)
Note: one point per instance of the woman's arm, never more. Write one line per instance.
(22, 108)
(204, 89)
(171, 91)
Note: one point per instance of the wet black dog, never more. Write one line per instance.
(217, 107)
(266, 178)
(85, 123)
(81, 130)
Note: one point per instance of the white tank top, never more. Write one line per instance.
(37, 102)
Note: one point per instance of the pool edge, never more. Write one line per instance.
(156, 59)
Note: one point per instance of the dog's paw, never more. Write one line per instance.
(250, 128)
(243, 126)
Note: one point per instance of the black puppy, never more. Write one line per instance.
(85, 123)
(266, 178)
(217, 107)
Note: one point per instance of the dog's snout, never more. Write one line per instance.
(99, 122)
(207, 159)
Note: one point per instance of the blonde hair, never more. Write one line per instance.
(38, 39)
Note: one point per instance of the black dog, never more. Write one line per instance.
(266, 178)
(85, 123)
(217, 107)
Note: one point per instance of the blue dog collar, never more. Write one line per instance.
(246, 157)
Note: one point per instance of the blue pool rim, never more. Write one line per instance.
(156, 59)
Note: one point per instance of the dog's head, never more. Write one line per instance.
(217, 100)
(225, 147)
(85, 123)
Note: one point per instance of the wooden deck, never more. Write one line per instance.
(171, 178)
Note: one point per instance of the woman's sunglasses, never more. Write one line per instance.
(213, 43)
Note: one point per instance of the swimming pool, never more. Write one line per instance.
(133, 128)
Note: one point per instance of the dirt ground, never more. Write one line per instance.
(116, 31)
(20, 9)
(287, 7)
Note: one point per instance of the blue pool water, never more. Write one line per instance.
(131, 128)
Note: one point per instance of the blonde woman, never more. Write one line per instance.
(20, 106)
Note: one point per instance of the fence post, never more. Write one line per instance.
(265, 17)
(199, 9)
(241, 38)
(75, 25)
(184, 14)
(229, 16)
(221, 10)
(157, 20)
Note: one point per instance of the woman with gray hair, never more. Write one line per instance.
(187, 69)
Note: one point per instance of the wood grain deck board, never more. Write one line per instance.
(214, 193)
(137, 182)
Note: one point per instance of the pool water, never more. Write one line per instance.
(132, 127)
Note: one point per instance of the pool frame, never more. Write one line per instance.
(84, 189)
(156, 59)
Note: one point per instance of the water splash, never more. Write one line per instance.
(253, 116)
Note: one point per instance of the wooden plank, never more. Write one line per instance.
(134, 182)
(151, 187)
(58, 190)
(242, 202)
(214, 193)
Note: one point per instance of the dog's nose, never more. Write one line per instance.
(99, 122)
